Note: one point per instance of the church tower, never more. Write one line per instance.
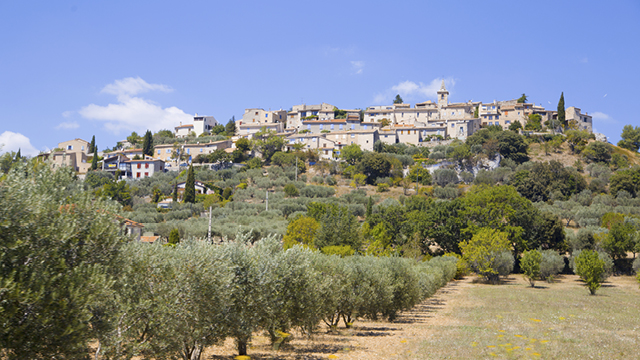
(443, 96)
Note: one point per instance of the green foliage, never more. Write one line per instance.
(541, 180)
(462, 267)
(598, 151)
(189, 195)
(243, 144)
(352, 154)
(96, 179)
(92, 145)
(515, 126)
(627, 180)
(561, 112)
(444, 177)
(398, 100)
(340, 250)
(482, 252)
(134, 138)
(374, 165)
(382, 187)
(551, 264)
(254, 163)
(577, 139)
(147, 144)
(116, 190)
(301, 231)
(630, 138)
(230, 128)
(174, 237)
(534, 122)
(58, 243)
(337, 225)
(290, 190)
(591, 269)
(522, 99)
(530, 265)
(266, 142)
(94, 160)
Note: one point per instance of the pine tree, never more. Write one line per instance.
(92, 146)
(398, 100)
(190, 187)
(18, 155)
(561, 116)
(230, 129)
(94, 161)
(147, 144)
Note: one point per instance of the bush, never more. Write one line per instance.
(551, 264)
(340, 250)
(530, 265)
(382, 187)
(504, 263)
(330, 180)
(290, 190)
(636, 265)
(444, 177)
(462, 268)
(445, 192)
(486, 253)
(591, 269)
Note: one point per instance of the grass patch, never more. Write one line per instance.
(559, 321)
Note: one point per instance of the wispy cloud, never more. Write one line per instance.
(133, 113)
(410, 90)
(133, 86)
(10, 141)
(357, 66)
(67, 125)
(603, 118)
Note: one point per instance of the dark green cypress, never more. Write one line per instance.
(92, 146)
(94, 161)
(190, 187)
(561, 115)
(147, 144)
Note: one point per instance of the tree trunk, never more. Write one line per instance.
(242, 346)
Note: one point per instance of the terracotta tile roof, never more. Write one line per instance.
(149, 239)
(184, 126)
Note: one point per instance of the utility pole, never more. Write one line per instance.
(209, 232)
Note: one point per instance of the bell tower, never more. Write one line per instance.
(443, 96)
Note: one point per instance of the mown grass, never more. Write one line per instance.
(552, 321)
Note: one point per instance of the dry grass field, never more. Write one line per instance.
(471, 320)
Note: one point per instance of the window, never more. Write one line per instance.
(69, 147)
(490, 122)
(491, 117)
(461, 129)
(313, 139)
(321, 126)
(365, 127)
(256, 113)
(507, 122)
(139, 165)
(168, 151)
(308, 127)
(146, 174)
(340, 127)
(188, 151)
(332, 125)
(401, 132)
(146, 165)
(493, 107)
(82, 148)
(200, 149)
(159, 152)
(452, 125)
(138, 175)
(303, 114)
(266, 115)
(497, 117)
(353, 126)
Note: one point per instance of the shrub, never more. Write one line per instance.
(552, 264)
(317, 179)
(636, 265)
(447, 192)
(462, 268)
(174, 237)
(444, 177)
(290, 190)
(504, 263)
(330, 180)
(530, 265)
(382, 187)
(591, 269)
(340, 250)
(485, 253)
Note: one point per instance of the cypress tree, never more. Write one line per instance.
(230, 129)
(175, 193)
(369, 208)
(561, 116)
(92, 146)
(18, 155)
(190, 187)
(94, 161)
(147, 144)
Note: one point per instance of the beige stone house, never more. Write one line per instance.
(165, 151)
(584, 121)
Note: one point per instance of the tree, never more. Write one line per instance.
(190, 187)
(267, 143)
(482, 252)
(116, 190)
(56, 270)
(522, 99)
(352, 154)
(534, 122)
(92, 145)
(94, 160)
(174, 237)
(627, 180)
(147, 144)
(590, 268)
(301, 231)
(230, 128)
(243, 144)
(444, 177)
(358, 180)
(338, 226)
(577, 139)
(515, 126)
(374, 165)
(512, 146)
(134, 138)
(530, 265)
(420, 175)
(96, 179)
(598, 151)
(630, 138)
(290, 190)
(476, 112)
(174, 194)
(398, 100)
(561, 114)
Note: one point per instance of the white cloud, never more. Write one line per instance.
(410, 90)
(133, 86)
(10, 141)
(357, 66)
(67, 125)
(67, 114)
(134, 113)
(603, 118)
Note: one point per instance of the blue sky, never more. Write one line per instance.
(73, 69)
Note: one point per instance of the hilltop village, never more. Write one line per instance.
(324, 129)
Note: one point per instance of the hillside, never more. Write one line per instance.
(567, 158)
